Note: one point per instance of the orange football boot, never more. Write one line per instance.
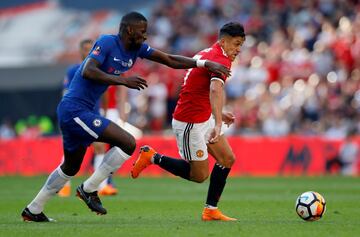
(65, 191)
(108, 190)
(143, 161)
(215, 215)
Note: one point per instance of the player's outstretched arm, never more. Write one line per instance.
(182, 62)
(91, 71)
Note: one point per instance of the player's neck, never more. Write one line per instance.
(126, 45)
(124, 42)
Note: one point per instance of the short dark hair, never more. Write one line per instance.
(130, 18)
(85, 41)
(232, 29)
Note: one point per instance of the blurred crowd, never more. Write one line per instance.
(31, 127)
(298, 72)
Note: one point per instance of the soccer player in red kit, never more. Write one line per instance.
(197, 123)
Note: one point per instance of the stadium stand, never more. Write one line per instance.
(298, 72)
(292, 49)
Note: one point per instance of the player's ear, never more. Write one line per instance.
(222, 41)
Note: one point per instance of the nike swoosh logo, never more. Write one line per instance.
(85, 198)
(117, 59)
(148, 48)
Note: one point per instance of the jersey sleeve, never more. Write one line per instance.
(66, 82)
(145, 51)
(224, 61)
(69, 76)
(101, 49)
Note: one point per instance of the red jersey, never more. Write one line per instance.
(193, 105)
(112, 104)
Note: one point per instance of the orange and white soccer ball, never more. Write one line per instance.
(310, 206)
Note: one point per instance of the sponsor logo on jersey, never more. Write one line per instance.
(200, 153)
(124, 63)
(97, 122)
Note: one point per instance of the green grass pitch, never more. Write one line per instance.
(172, 207)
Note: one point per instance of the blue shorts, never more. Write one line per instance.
(80, 126)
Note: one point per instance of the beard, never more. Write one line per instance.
(134, 45)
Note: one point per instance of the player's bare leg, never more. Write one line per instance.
(196, 171)
(124, 146)
(55, 181)
(224, 156)
(199, 170)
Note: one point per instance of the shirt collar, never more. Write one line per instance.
(217, 44)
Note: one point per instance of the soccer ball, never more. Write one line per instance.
(310, 206)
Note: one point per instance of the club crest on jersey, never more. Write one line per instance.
(97, 50)
(199, 153)
(97, 122)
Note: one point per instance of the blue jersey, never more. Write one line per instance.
(113, 58)
(68, 78)
(80, 121)
(69, 75)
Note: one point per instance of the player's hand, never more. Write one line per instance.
(215, 134)
(228, 118)
(217, 68)
(135, 82)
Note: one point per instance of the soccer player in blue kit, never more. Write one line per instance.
(107, 187)
(84, 49)
(81, 125)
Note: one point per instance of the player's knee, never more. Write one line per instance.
(228, 161)
(132, 145)
(70, 169)
(129, 146)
